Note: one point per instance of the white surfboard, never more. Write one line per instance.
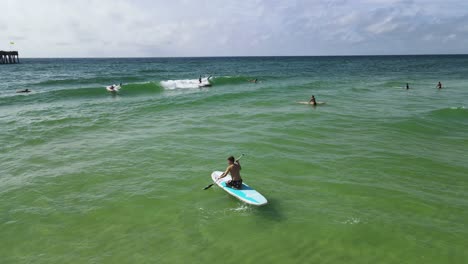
(318, 103)
(116, 88)
(246, 194)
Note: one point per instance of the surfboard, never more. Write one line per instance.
(116, 88)
(318, 103)
(247, 194)
(204, 85)
(23, 91)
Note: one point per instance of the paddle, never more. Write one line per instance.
(209, 186)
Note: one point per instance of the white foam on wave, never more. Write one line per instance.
(184, 84)
(352, 221)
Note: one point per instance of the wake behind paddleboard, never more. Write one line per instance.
(246, 194)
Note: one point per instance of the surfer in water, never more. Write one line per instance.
(24, 91)
(439, 85)
(199, 79)
(233, 168)
(253, 81)
(312, 101)
(407, 86)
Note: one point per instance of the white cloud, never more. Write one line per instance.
(101, 28)
(386, 25)
(450, 37)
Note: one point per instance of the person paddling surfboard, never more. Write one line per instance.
(233, 168)
(24, 91)
(313, 101)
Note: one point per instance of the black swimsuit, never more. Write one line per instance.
(235, 184)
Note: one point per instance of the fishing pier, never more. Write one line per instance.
(9, 57)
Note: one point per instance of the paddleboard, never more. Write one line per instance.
(246, 194)
(204, 85)
(318, 103)
(116, 88)
(23, 91)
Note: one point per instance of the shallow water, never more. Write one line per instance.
(376, 175)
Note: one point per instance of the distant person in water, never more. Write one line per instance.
(24, 91)
(233, 168)
(439, 85)
(312, 101)
(407, 86)
(253, 81)
(199, 79)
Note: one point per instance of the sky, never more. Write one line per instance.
(184, 28)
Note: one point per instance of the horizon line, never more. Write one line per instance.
(252, 56)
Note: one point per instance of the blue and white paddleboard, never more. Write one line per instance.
(246, 194)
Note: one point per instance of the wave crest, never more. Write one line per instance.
(184, 84)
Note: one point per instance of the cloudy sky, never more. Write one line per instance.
(156, 28)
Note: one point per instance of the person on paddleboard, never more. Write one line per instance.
(312, 101)
(233, 168)
(24, 91)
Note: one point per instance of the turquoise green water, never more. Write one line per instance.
(376, 175)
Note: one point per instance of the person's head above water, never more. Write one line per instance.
(231, 160)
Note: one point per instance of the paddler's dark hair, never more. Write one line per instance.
(231, 159)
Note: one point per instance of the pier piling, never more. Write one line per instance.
(9, 57)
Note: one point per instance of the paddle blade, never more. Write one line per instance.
(209, 186)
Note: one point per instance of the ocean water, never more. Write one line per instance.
(378, 174)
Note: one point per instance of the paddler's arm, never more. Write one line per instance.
(225, 173)
(238, 164)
